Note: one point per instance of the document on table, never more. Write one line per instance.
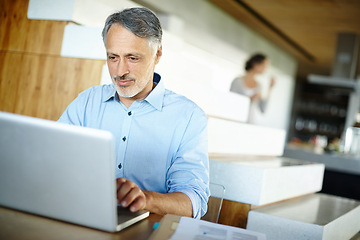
(193, 229)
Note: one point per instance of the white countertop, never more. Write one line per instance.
(264, 180)
(315, 216)
(320, 209)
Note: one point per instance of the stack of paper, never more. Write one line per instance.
(194, 229)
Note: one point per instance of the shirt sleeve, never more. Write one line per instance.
(189, 171)
(236, 86)
(75, 112)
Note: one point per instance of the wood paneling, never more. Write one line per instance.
(18, 33)
(41, 85)
(34, 79)
(234, 213)
(212, 213)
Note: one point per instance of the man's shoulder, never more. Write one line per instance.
(98, 90)
(171, 97)
(180, 101)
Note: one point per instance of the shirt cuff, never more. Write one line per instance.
(195, 202)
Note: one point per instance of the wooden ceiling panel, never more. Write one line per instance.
(309, 26)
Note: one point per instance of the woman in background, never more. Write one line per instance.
(248, 86)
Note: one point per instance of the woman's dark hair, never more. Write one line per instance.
(254, 59)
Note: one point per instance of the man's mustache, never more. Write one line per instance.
(123, 77)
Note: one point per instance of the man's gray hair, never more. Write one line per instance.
(140, 21)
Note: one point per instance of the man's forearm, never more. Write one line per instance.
(173, 203)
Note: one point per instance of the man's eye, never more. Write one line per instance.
(133, 59)
(112, 58)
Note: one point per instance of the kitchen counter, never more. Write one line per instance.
(315, 216)
(333, 161)
(264, 180)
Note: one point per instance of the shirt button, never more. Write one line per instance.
(124, 139)
(129, 113)
(120, 166)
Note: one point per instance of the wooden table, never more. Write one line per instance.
(19, 225)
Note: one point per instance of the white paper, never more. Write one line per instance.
(193, 229)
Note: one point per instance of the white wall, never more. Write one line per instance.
(195, 73)
(214, 49)
(234, 138)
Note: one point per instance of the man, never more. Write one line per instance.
(160, 137)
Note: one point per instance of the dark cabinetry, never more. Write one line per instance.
(318, 110)
(341, 184)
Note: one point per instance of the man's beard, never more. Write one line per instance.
(133, 89)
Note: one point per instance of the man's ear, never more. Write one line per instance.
(158, 55)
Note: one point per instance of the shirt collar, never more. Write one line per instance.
(111, 94)
(155, 97)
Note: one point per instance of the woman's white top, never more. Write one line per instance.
(238, 86)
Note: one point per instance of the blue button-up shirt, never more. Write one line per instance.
(161, 141)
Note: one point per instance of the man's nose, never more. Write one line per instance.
(122, 68)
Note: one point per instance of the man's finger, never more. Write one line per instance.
(123, 190)
(133, 194)
(138, 204)
(120, 181)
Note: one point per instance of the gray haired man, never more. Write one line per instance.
(160, 136)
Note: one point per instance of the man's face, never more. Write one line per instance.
(131, 62)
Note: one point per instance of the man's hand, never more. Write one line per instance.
(130, 195)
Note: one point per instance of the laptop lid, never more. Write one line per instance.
(59, 171)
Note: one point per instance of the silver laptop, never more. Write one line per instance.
(60, 171)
